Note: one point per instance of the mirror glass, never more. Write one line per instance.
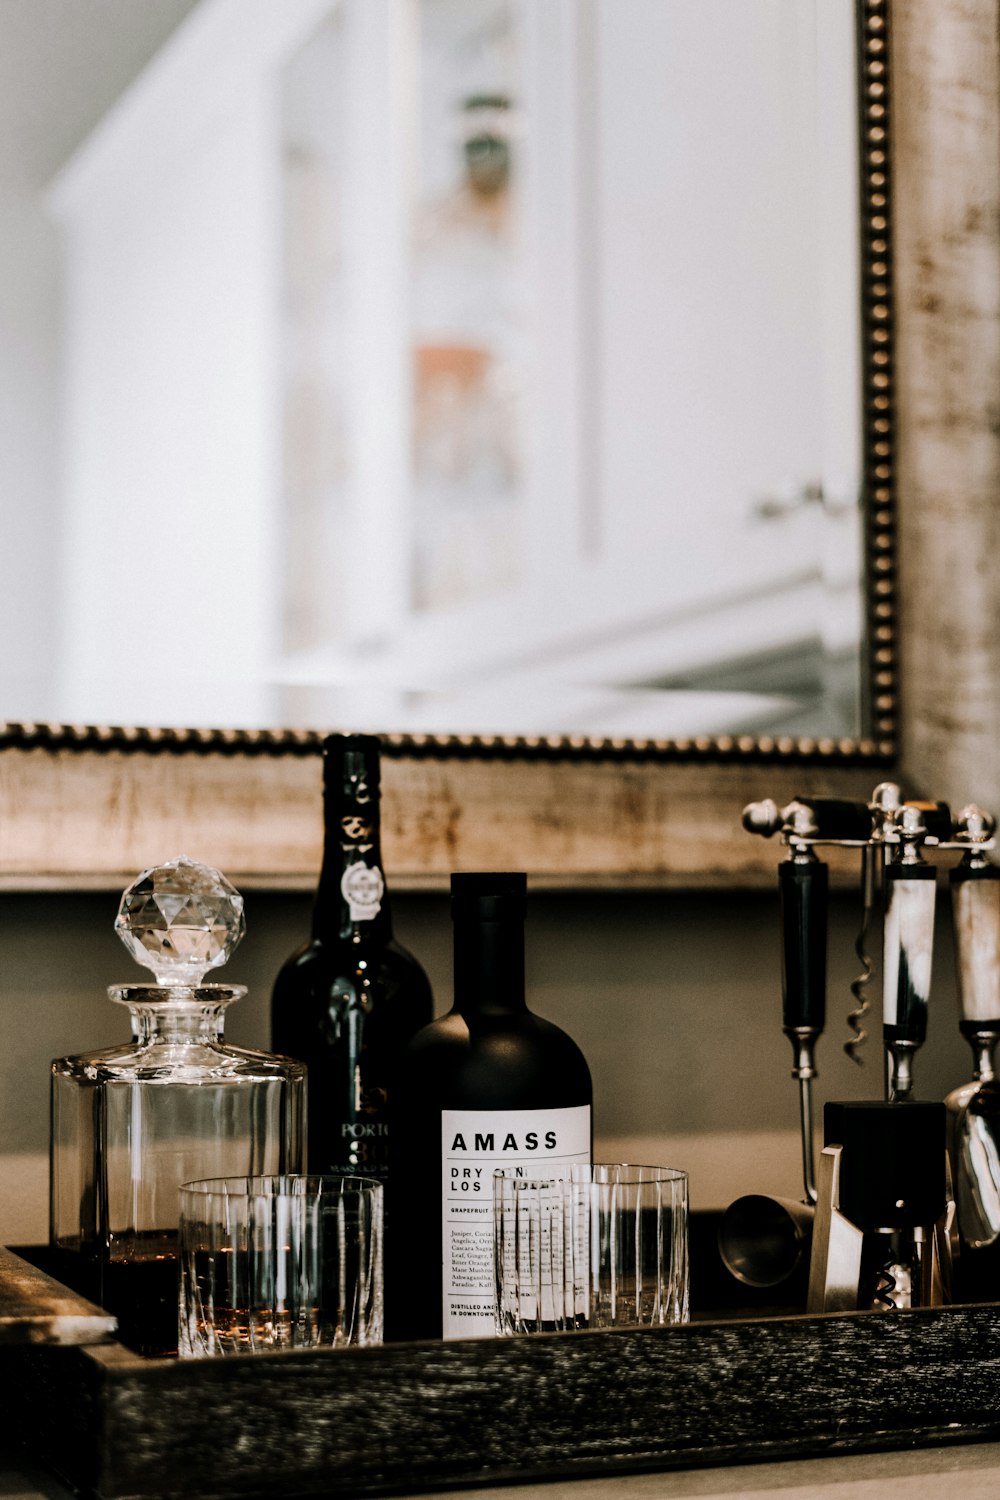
(432, 367)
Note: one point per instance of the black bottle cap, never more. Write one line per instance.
(493, 896)
(350, 758)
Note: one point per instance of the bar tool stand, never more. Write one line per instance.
(882, 1229)
(763, 1240)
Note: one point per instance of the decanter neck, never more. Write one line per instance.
(177, 1013)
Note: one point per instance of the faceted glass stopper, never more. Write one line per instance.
(180, 919)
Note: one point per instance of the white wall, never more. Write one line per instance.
(49, 49)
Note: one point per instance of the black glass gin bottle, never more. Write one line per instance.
(348, 1001)
(176, 1103)
(490, 1084)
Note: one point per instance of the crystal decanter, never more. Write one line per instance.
(175, 1104)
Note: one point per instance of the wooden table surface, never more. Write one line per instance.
(973, 1471)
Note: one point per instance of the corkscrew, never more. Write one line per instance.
(883, 807)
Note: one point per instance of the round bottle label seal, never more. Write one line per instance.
(362, 888)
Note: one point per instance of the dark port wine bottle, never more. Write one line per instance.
(489, 1084)
(348, 1001)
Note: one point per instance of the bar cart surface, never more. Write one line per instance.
(735, 1385)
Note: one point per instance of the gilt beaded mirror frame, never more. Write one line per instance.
(83, 805)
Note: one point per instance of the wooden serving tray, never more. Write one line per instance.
(721, 1389)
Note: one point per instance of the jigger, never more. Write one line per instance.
(763, 1240)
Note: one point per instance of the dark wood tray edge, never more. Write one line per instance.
(427, 1416)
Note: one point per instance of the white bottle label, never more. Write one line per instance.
(474, 1142)
(362, 887)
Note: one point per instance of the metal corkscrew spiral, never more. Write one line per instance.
(859, 984)
(884, 802)
(885, 1286)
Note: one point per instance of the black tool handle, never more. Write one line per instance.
(803, 886)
